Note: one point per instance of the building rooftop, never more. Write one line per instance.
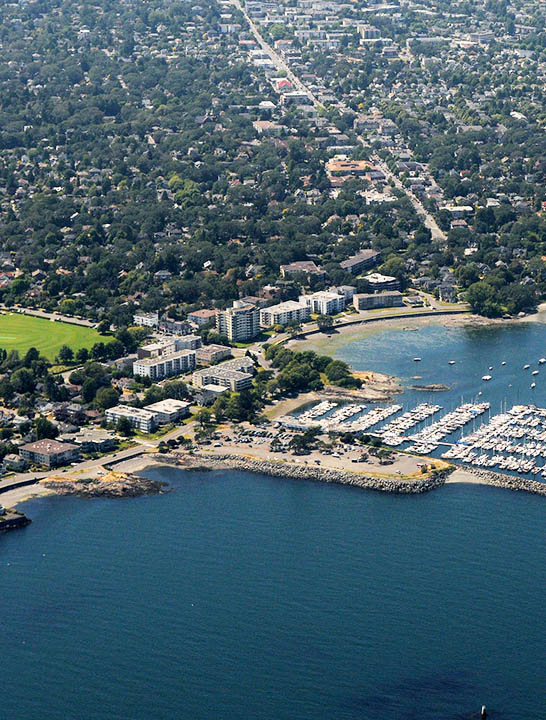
(48, 447)
(169, 405)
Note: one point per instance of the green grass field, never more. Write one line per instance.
(21, 332)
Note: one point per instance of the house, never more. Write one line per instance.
(49, 453)
(93, 440)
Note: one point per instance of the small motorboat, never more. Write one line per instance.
(503, 362)
(542, 361)
(535, 372)
(526, 367)
(533, 386)
(452, 362)
(416, 359)
(486, 377)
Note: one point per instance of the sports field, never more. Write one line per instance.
(21, 332)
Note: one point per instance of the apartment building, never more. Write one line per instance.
(240, 322)
(363, 260)
(49, 453)
(169, 410)
(370, 301)
(157, 368)
(286, 313)
(324, 303)
(140, 418)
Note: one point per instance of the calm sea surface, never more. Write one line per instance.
(474, 349)
(242, 596)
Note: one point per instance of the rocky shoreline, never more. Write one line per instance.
(204, 462)
(508, 482)
(112, 485)
(12, 520)
(298, 472)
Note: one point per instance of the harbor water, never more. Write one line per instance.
(242, 596)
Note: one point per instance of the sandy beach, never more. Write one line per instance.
(328, 343)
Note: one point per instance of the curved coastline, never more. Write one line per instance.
(457, 474)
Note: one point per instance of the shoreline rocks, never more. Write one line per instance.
(508, 482)
(12, 520)
(113, 485)
(298, 472)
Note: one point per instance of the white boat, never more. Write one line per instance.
(416, 359)
(526, 367)
(535, 372)
(491, 368)
(533, 385)
(486, 377)
(452, 362)
(503, 362)
(542, 361)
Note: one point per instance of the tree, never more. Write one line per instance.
(82, 355)
(106, 397)
(124, 427)
(66, 355)
(103, 328)
(22, 381)
(45, 429)
(325, 322)
(482, 298)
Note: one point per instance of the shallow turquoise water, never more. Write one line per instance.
(241, 596)
(474, 349)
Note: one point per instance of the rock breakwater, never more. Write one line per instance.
(300, 472)
(509, 482)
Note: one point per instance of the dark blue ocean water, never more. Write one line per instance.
(241, 596)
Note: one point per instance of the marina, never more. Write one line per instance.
(513, 440)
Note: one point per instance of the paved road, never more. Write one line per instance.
(143, 445)
(275, 58)
(50, 316)
(437, 234)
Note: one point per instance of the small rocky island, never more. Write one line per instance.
(12, 519)
(108, 484)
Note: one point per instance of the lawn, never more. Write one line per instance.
(21, 332)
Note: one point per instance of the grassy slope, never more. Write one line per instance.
(21, 332)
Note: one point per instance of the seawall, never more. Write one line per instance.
(509, 482)
(299, 472)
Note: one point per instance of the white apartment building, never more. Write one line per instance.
(169, 410)
(141, 419)
(324, 303)
(286, 313)
(235, 380)
(240, 322)
(146, 319)
(157, 368)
